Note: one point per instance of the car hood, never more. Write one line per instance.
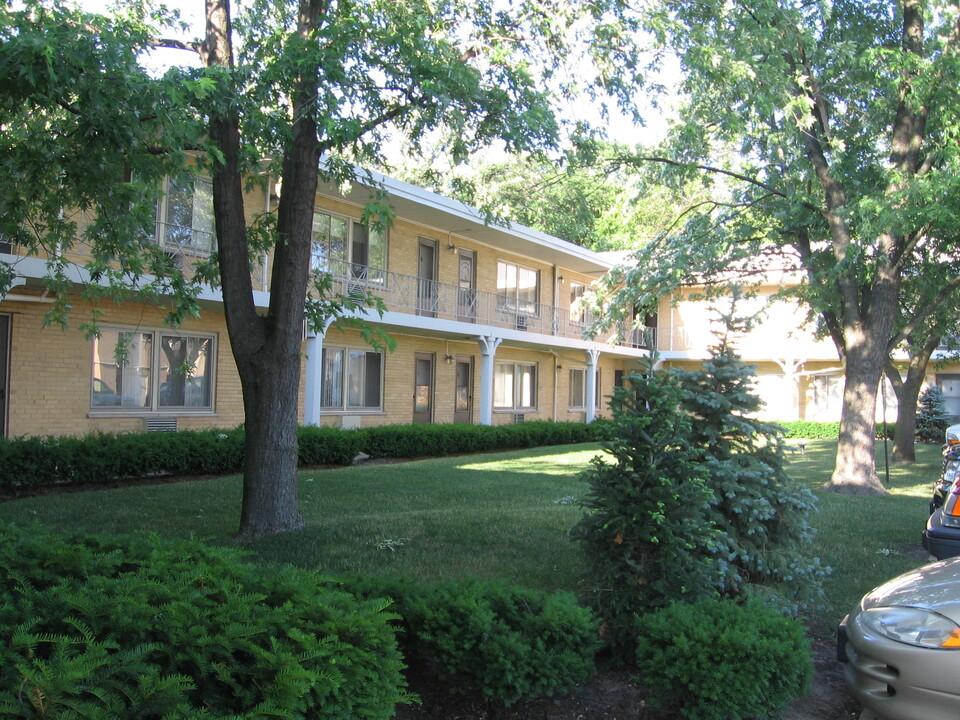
(932, 587)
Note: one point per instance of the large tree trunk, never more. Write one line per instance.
(855, 471)
(270, 503)
(266, 348)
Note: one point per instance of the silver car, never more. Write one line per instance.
(901, 646)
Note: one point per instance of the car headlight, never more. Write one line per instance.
(913, 626)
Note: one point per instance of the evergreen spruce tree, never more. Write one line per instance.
(932, 418)
(761, 512)
(647, 537)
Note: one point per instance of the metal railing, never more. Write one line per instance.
(430, 298)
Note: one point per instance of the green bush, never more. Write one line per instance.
(811, 430)
(505, 642)
(932, 417)
(717, 660)
(143, 628)
(102, 457)
(763, 515)
(646, 535)
(435, 440)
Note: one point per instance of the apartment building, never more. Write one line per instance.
(485, 318)
(799, 376)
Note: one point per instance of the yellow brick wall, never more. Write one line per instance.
(50, 372)
(399, 380)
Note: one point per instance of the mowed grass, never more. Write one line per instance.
(496, 516)
(501, 515)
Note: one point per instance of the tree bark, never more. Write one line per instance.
(855, 470)
(266, 349)
(908, 394)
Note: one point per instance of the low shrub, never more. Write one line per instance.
(102, 457)
(717, 660)
(811, 430)
(508, 643)
(143, 628)
(435, 440)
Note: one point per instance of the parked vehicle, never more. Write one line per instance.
(941, 538)
(901, 646)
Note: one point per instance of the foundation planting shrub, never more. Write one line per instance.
(102, 457)
(143, 628)
(718, 660)
(506, 642)
(409, 441)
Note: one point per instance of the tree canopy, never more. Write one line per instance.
(290, 90)
(828, 130)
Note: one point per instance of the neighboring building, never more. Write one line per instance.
(485, 320)
(799, 377)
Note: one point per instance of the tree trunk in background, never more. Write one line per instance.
(908, 394)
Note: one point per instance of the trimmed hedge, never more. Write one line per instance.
(718, 660)
(825, 430)
(505, 642)
(124, 628)
(104, 457)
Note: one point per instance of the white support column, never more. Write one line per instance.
(488, 349)
(311, 388)
(591, 383)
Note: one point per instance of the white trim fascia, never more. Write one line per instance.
(36, 268)
(452, 329)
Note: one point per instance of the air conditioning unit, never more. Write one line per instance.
(350, 422)
(521, 322)
(160, 424)
(517, 418)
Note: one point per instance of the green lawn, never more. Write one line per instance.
(503, 515)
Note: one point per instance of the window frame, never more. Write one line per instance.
(581, 402)
(345, 265)
(516, 375)
(153, 373)
(513, 303)
(346, 387)
(578, 313)
(163, 224)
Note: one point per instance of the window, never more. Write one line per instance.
(515, 386)
(152, 371)
(340, 245)
(351, 379)
(578, 388)
(185, 216)
(518, 288)
(577, 313)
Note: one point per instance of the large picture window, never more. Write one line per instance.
(347, 247)
(152, 371)
(515, 386)
(518, 288)
(352, 379)
(185, 216)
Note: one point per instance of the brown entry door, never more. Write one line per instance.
(423, 388)
(463, 399)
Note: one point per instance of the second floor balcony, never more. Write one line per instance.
(430, 298)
